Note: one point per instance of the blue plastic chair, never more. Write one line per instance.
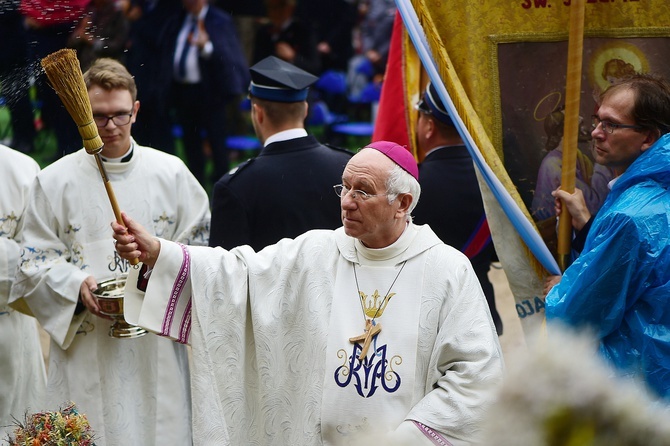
(332, 82)
(354, 128)
(243, 143)
(370, 93)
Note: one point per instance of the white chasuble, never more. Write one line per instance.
(22, 373)
(375, 394)
(270, 333)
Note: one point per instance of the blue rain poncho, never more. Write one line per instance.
(620, 284)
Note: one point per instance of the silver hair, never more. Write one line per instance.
(399, 182)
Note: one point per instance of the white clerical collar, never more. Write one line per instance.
(285, 135)
(123, 158)
(390, 252)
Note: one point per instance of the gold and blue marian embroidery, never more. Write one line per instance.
(33, 257)
(8, 225)
(85, 328)
(164, 228)
(367, 374)
(162, 225)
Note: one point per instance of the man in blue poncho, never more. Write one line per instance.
(620, 284)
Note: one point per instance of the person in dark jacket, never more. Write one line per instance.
(286, 36)
(451, 202)
(206, 70)
(288, 188)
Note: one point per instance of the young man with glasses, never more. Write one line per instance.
(133, 391)
(374, 332)
(619, 286)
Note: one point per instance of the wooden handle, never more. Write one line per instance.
(571, 126)
(112, 197)
(117, 211)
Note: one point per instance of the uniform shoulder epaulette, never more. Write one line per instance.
(240, 167)
(339, 149)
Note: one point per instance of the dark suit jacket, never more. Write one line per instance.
(298, 35)
(333, 22)
(225, 73)
(451, 204)
(283, 192)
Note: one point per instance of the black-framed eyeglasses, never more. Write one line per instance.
(356, 194)
(119, 120)
(423, 107)
(609, 127)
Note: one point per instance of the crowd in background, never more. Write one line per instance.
(344, 42)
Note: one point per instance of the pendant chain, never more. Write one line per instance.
(381, 305)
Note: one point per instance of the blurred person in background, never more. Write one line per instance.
(49, 25)
(451, 202)
(204, 70)
(22, 374)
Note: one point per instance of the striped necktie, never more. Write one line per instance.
(187, 47)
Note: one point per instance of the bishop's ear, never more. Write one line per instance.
(405, 201)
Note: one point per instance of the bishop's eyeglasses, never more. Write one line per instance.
(119, 120)
(610, 127)
(356, 194)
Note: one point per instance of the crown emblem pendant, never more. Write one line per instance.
(372, 309)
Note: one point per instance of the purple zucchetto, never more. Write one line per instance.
(398, 154)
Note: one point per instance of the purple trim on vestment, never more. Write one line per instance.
(432, 435)
(185, 326)
(177, 289)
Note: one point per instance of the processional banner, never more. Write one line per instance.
(502, 66)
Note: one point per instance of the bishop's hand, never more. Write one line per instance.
(135, 242)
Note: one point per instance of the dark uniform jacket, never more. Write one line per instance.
(283, 192)
(451, 204)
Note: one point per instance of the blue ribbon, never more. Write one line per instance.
(524, 228)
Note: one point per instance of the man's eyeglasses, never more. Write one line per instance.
(118, 120)
(356, 194)
(423, 107)
(609, 127)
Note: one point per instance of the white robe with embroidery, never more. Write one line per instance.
(270, 333)
(133, 391)
(22, 374)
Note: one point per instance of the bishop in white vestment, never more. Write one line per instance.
(280, 355)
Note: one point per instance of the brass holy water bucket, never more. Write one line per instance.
(110, 300)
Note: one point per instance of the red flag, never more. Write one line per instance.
(391, 122)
